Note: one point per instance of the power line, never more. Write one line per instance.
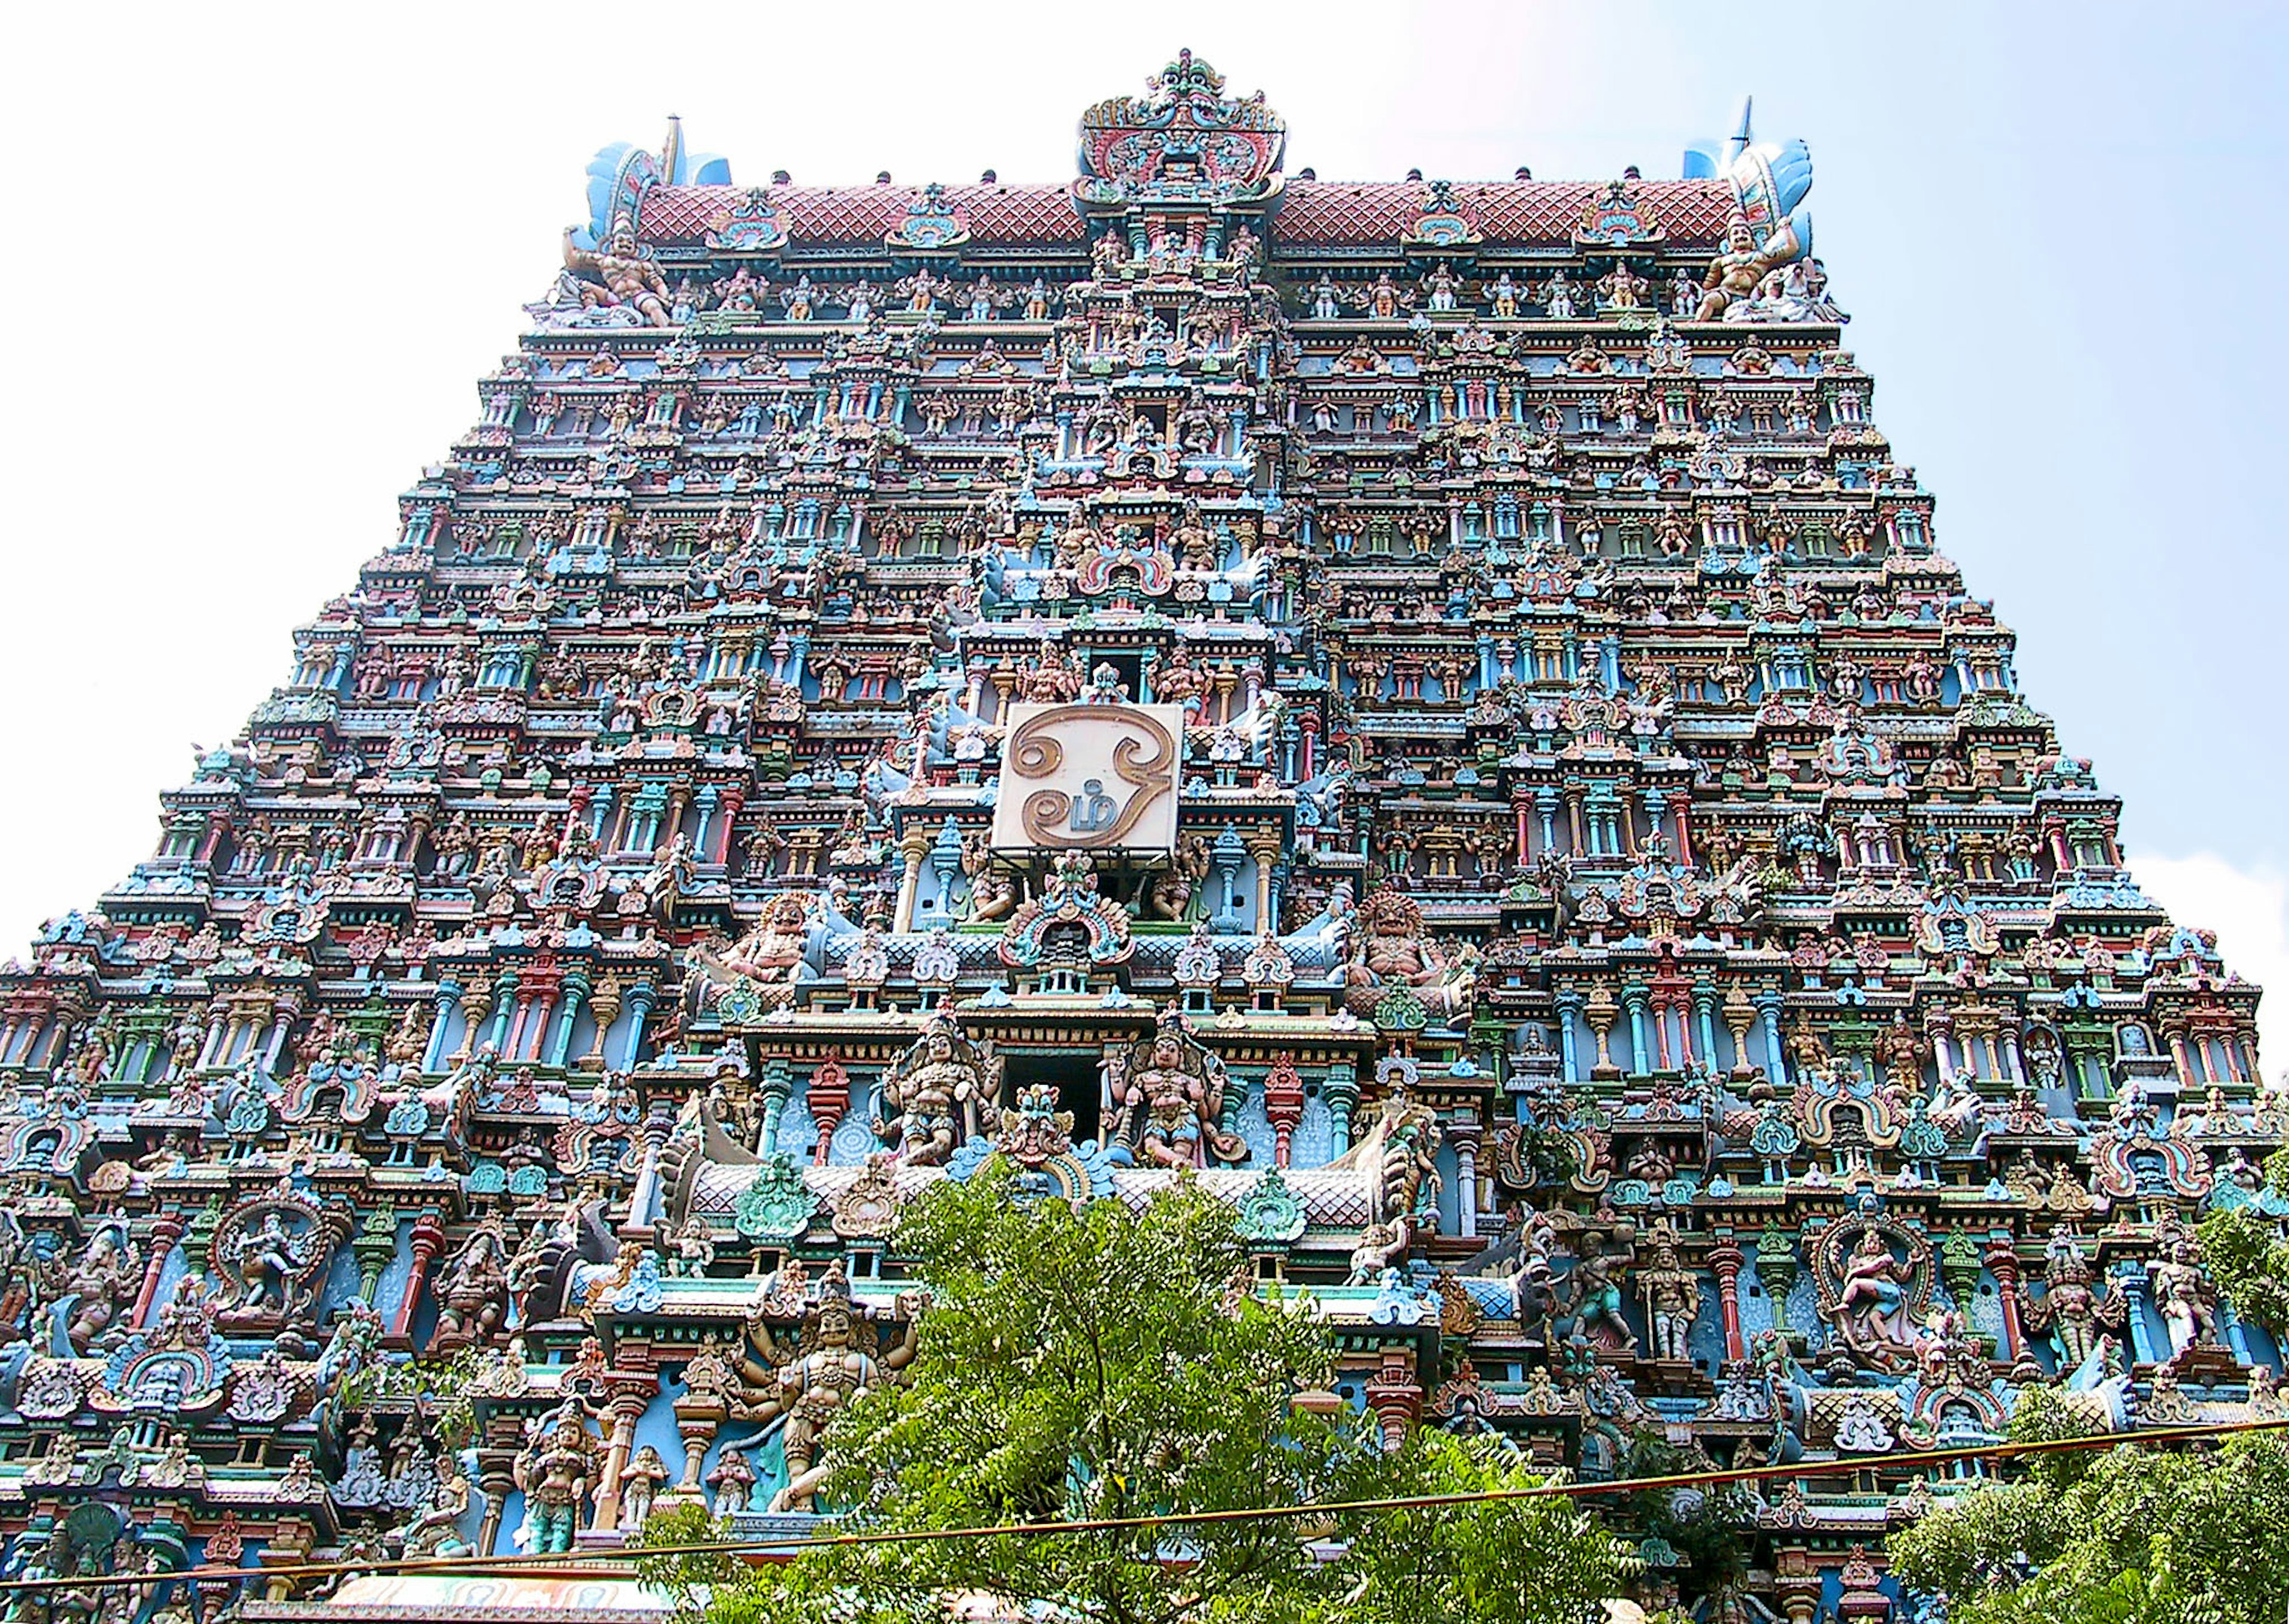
(551, 1565)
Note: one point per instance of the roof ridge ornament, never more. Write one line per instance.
(1183, 140)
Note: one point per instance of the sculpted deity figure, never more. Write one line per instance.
(1399, 1157)
(769, 957)
(2183, 1293)
(98, 1287)
(934, 1090)
(1380, 1246)
(1594, 1296)
(814, 1387)
(733, 1481)
(473, 1295)
(2068, 1308)
(1672, 1295)
(618, 275)
(992, 893)
(1390, 950)
(267, 1257)
(639, 1484)
(1179, 1088)
(437, 1531)
(1741, 265)
(1872, 1298)
(1171, 893)
(557, 1471)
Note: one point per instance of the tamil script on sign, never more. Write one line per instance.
(1089, 777)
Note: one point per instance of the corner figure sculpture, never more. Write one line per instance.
(616, 274)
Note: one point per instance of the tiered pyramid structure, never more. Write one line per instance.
(1431, 707)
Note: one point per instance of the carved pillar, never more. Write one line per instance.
(448, 1000)
(656, 1128)
(695, 1421)
(575, 991)
(775, 1088)
(1341, 1090)
(166, 1229)
(2003, 1263)
(640, 1002)
(1635, 1002)
(630, 1396)
(1725, 1259)
(1464, 1136)
(915, 845)
(478, 1002)
(1569, 1005)
(495, 1479)
(1769, 1006)
(1394, 1397)
(827, 1093)
(1266, 853)
(428, 1240)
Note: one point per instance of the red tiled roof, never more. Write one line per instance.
(1322, 213)
(1325, 212)
(856, 214)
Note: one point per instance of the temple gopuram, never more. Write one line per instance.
(1431, 708)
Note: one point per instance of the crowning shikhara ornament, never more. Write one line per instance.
(1429, 707)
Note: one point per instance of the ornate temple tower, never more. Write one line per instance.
(1430, 705)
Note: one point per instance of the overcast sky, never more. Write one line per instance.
(257, 259)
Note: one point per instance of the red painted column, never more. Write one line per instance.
(428, 1240)
(166, 1229)
(1726, 1258)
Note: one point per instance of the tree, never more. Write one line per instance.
(2247, 1256)
(1514, 1561)
(2131, 1535)
(1092, 1363)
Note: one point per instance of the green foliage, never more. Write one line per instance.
(1707, 1528)
(1539, 1561)
(441, 1386)
(2248, 1258)
(2132, 1535)
(692, 1576)
(1081, 1363)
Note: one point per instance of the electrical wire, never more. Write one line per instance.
(590, 1565)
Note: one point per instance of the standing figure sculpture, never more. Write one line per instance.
(810, 1389)
(934, 1091)
(2182, 1290)
(557, 1471)
(1178, 1086)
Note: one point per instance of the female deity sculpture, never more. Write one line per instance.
(1872, 1311)
(557, 1471)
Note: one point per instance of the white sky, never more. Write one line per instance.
(258, 259)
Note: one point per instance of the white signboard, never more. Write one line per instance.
(1089, 777)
